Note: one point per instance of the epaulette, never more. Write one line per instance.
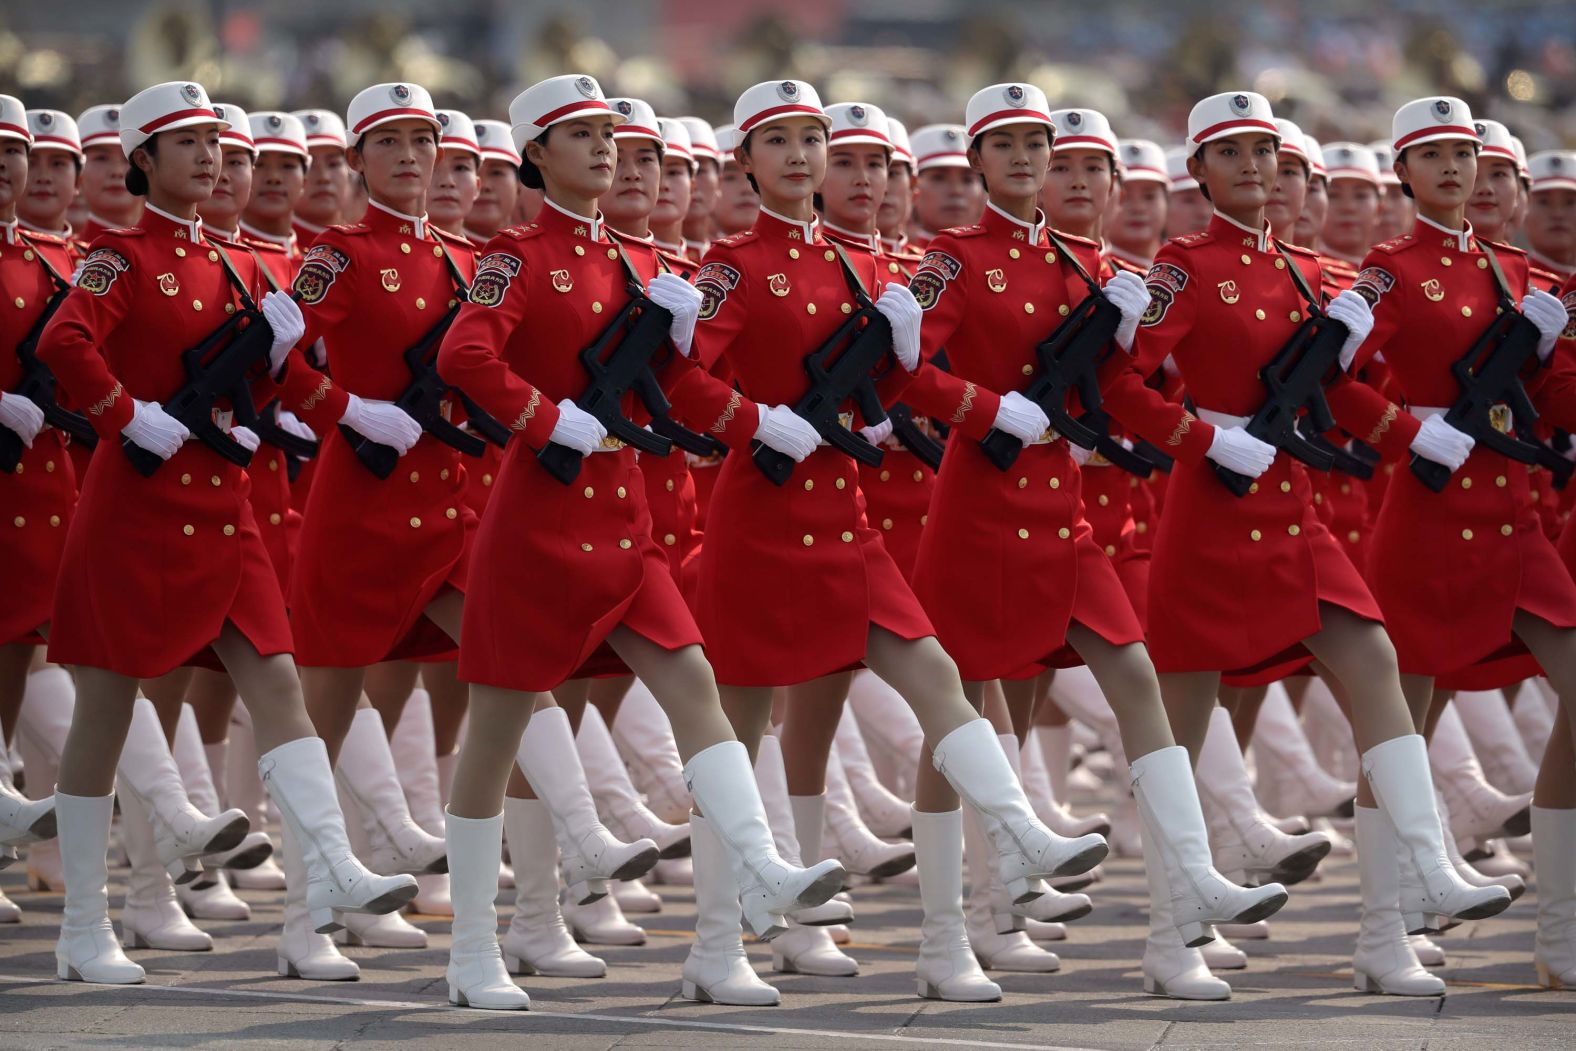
(349, 228)
(1193, 240)
(523, 232)
(1499, 247)
(1337, 266)
(1395, 244)
(458, 239)
(1306, 253)
(39, 237)
(1076, 241)
(735, 240)
(124, 231)
(977, 230)
(258, 244)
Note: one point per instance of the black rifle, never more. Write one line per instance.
(1490, 374)
(636, 334)
(295, 448)
(913, 437)
(1069, 359)
(1295, 379)
(426, 396)
(840, 369)
(38, 382)
(218, 368)
(1359, 461)
(1142, 460)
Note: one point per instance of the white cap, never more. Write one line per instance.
(1315, 156)
(1003, 104)
(275, 131)
(54, 130)
(1430, 120)
(1521, 156)
(164, 107)
(382, 103)
(1351, 160)
(703, 138)
(323, 128)
(1384, 153)
(858, 124)
(1293, 141)
(941, 146)
(1553, 170)
(727, 137)
(459, 132)
(777, 98)
(1496, 140)
(1084, 129)
(640, 120)
(675, 136)
(496, 144)
(1176, 169)
(1229, 113)
(1143, 161)
(99, 125)
(902, 149)
(13, 119)
(239, 133)
(553, 101)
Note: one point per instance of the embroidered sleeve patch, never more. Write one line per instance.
(101, 269)
(493, 275)
(322, 266)
(943, 264)
(936, 271)
(1373, 283)
(715, 281)
(1165, 280)
(1570, 315)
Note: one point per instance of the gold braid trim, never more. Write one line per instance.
(528, 413)
(966, 404)
(727, 413)
(323, 387)
(1390, 413)
(1182, 428)
(98, 407)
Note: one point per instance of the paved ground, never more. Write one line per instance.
(1295, 993)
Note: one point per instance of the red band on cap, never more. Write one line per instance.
(1256, 125)
(636, 129)
(939, 156)
(1553, 182)
(707, 151)
(170, 118)
(552, 115)
(39, 140)
(236, 136)
(1501, 151)
(1287, 147)
(1351, 173)
(385, 114)
(1065, 141)
(292, 143)
(679, 151)
(868, 133)
(1444, 131)
(464, 144)
(1019, 114)
(498, 153)
(18, 130)
(1147, 168)
(777, 111)
(324, 140)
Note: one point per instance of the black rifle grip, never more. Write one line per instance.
(377, 458)
(1434, 475)
(10, 450)
(1239, 484)
(1001, 449)
(777, 467)
(560, 461)
(146, 463)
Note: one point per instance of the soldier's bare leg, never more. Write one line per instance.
(1189, 699)
(15, 660)
(683, 683)
(609, 694)
(450, 700)
(1243, 702)
(487, 755)
(98, 731)
(571, 697)
(168, 693)
(269, 687)
(388, 687)
(1555, 649)
(212, 697)
(811, 712)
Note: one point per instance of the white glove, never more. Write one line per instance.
(786, 431)
(1021, 418)
(290, 423)
(22, 416)
(898, 305)
(283, 315)
(1237, 450)
(682, 300)
(156, 430)
(1170, 367)
(577, 429)
(1548, 313)
(1131, 296)
(878, 433)
(1353, 311)
(246, 438)
(1079, 454)
(382, 422)
(1443, 444)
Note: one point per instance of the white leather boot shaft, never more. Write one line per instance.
(243, 789)
(1478, 809)
(1512, 883)
(620, 806)
(304, 953)
(946, 968)
(366, 772)
(151, 916)
(87, 950)
(644, 737)
(47, 705)
(22, 820)
(883, 812)
(1554, 855)
(1040, 786)
(859, 849)
(1076, 692)
(537, 941)
(786, 815)
(476, 973)
(201, 778)
(414, 747)
(995, 932)
(716, 969)
(1486, 717)
(892, 733)
(1171, 968)
(1384, 961)
(1533, 712)
(1290, 777)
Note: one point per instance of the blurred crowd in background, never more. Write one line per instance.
(1339, 67)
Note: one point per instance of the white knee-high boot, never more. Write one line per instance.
(476, 974)
(87, 950)
(1289, 777)
(1478, 809)
(859, 849)
(151, 916)
(42, 725)
(946, 968)
(537, 941)
(243, 789)
(717, 970)
(1384, 961)
(618, 803)
(1554, 854)
(644, 737)
(1170, 967)
(1494, 737)
(414, 746)
(885, 813)
(892, 734)
(366, 772)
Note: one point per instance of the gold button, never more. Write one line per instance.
(1259, 314)
(49, 466)
(274, 518)
(20, 302)
(847, 536)
(1295, 315)
(669, 485)
(1064, 532)
(180, 253)
(622, 492)
(1105, 501)
(1028, 370)
(229, 530)
(1255, 536)
(1246, 259)
(1022, 482)
(1466, 483)
(848, 308)
(1110, 549)
(421, 304)
(1064, 310)
(669, 539)
(453, 512)
(1354, 536)
(1013, 252)
(1466, 311)
(579, 250)
(589, 492)
(1285, 487)
(1500, 481)
(1482, 264)
(406, 249)
(809, 308)
(1346, 487)
(886, 476)
(443, 475)
(1506, 530)
(585, 547)
(214, 480)
(612, 253)
(1253, 487)
(886, 523)
(1444, 260)
(437, 250)
(188, 530)
(415, 523)
(19, 522)
(1280, 264)
(809, 483)
(1142, 527)
(793, 253)
(54, 520)
(273, 465)
(229, 308)
(1056, 483)
(213, 257)
(923, 519)
(1050, 257)
(919, 476)
(841, 483)
(1466, 534)
(1023, 534)
(452, 302)
(28, 255)
(1028, 308)
(487, 479)
(1294, 530)
(830, 255)
(596, 308)
(626, 543)
(808, 540)
(891, 268)
(196, 304)
(186, 479)
(1318, 498)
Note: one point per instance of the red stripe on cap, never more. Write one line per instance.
(1257, 125)
(103, 136)
(866, 132)
(1501, 151)
(636, 129)
(1064, 141)
(1351, 173)
(1023, 114)
(324, 140)
(17, 129)
(292, 143)
(588, 104)
(236, 136)
(39, 140)
(455, 140)
(385, 114)
(1287, 147)
(777, 111)
(707, 151)
(1453, 131)
(501, 154)
(1147, 168)
(170, 118)
(944, 153)
(1553, 182)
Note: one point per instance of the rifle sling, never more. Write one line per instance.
(1295, 273)
(61, 283)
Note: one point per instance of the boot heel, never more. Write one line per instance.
(517, 965)
(457, 998)
(766, 925)
(1548, 979)
(282, 966)
(134, 939)
(184, 870)
(1195, 934)
(1024, 889)
(587, 891)
(1420, 923)
(67, 973)
(1007, 922)
(326, 921)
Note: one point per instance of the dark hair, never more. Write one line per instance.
(744, 148)
(136, 178)
(530, 174)
(1198, 155)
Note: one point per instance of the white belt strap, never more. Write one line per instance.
(1221, 419)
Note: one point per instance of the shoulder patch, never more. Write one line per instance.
(494, 273)
(319, 270)
(101, 269)
(1164, 282)
(1569, 299)
(1372, 283)
(1306, 253)
(523, 232)
(1193, 240)
(714, 281)
(40, 237)
(937, 269)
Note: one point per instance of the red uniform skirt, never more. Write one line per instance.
(36, 502)
(153, 567)
(375, 552)
(670, 496)
(1008, 561)
(1112, 499)
(792, 577)
(565, 565)
(897, 501)
(1451, 569)
(1235, 584)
